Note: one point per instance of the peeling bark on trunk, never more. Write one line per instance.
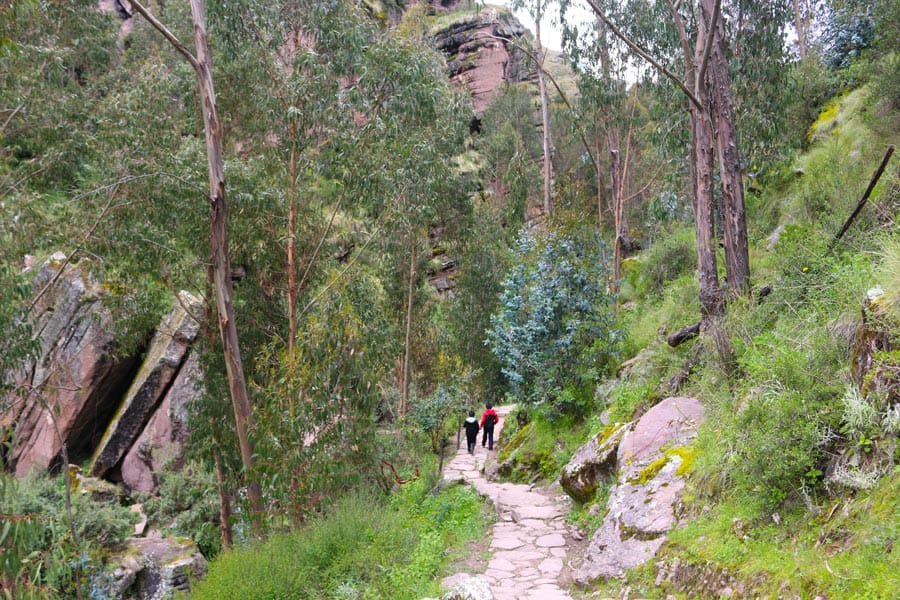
(711, 304)
(737, 259)
(800, 26)
(221, 269)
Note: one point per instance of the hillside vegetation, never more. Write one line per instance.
(395, 265)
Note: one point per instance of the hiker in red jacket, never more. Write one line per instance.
(489, 418)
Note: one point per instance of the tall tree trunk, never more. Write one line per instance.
(224, 500)
(615, 173)
(703, 149)
(292, 290)
(598, 167)
(407, 350)
(737, 259)
(220, 265)
(540, 55)
(800, 26)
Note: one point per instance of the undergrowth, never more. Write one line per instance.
(367, 547)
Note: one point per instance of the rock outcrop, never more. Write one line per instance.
(131, 416)
(482, 56)
(69, 391)
(652, 459)
(165, 357)
(161, 443)
(155, 568)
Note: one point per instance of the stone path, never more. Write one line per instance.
(528, 549)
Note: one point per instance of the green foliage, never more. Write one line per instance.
(187, 505)
(841, 553)
(40, 557)
(315, 424)
(484, 260)
(555, 332)
(671, 257)
(511, 145)
(364, 547)
(887, 63)
(434, 413)
(849, 30)
(539, 449)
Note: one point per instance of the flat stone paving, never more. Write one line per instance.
(528, 546)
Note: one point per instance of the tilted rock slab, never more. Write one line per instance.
(160, 445)
(592, 462)
(63, 393)
(164, 359)
(641, 509)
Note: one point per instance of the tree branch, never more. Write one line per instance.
(711, 35)
(640, 52)
(182, 49)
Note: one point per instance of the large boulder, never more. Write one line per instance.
(593, 462)
(652, 460)
(165, 357)
(68, 391)
(155, 568)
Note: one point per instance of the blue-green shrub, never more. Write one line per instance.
(555, 331)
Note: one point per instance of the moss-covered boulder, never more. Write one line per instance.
(593, 462)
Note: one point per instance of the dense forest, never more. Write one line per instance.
(340, 226)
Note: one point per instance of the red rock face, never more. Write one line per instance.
(481, 56)
(160, 444)
(162, 364)
(62, 395)
(75, 393)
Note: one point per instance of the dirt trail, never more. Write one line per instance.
(528, 549)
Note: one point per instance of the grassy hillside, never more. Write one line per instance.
(769, 507)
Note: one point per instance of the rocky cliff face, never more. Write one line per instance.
(67, 392)
(128, 413)
(482, 54)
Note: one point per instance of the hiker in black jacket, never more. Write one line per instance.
(471, 425)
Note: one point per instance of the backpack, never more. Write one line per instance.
(490, 421)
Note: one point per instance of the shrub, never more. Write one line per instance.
(670, 258)
(188, 505)
(40, 558)
(554, 333)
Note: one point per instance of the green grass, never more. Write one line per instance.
(843, 552)
(368, 546)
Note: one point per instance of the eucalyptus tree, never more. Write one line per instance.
(350, 135)
(609, 114)
(537, 9)
(699, 34)
(220, 269)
